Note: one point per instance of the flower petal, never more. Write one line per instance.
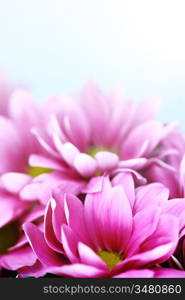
(85, 165)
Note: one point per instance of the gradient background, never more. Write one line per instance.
(54, 45)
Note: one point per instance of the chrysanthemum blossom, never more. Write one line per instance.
(93, 134)
(169, 169)
(17, 143)
(117, 232)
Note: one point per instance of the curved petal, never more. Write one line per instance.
(149, 132)
(106, 160)
(14, 181)
(89, 257)
(45, 254)
(150, 194)
(85, 165)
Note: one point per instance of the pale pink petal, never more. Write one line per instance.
(68, 152)
(11, 208)
(135, 163)
(36, 160)
(125, 179)
(14, 181)
(154, 193)
(106, 160)
(85, 165)
(149, 132)
(169, 273)
(89, 257)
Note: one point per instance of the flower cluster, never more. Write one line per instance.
(91, 185)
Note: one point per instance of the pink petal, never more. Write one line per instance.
(18, 258)
(161, 172)
(30, 192)
(49, 233)
(85, 165)
(69, 242)
(125, 179)
(37, 160)
(14, 182)
(36, 270)
(169, 273)
(144, 221)
(176, 207)
(77, 271)
(74, 213)
(154, 193)
(135, 163)
(106, 160)
(11, 208)
(145, 273)
(68, 152)
(149, 132)
(45, 254)
(89, 257)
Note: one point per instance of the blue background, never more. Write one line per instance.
(55, 45)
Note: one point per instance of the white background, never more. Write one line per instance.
(55, 45)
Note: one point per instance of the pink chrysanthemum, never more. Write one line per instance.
(17, 143)
(117, 232)
(94, 134)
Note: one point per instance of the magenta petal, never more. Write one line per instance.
(45, 254)
(74, 213)
(14, 182)
(30, 191)
(49, 234)
(125, 179)
(78, 271)
(135, 163)
(169, 273)
(89, 257)
(18, 258)
(85, 165)
(70, 242)
(114, 219)
(145, 221)
(36, 270)
(145, 273)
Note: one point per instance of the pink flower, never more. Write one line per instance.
(95, 134)
(6, 89)
(15, 251)
(119, 231)
(17, 143)
(169, 168)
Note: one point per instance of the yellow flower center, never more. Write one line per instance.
(35, 171)
(110, 258)
(9, 235)
(92, 151)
